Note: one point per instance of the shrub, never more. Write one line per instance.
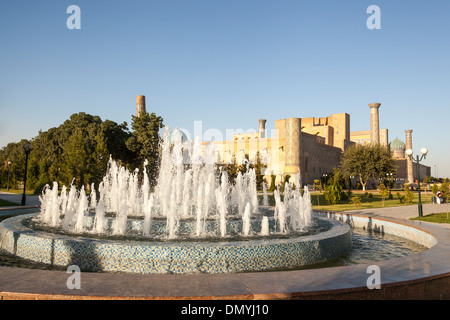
(401, 197)
(435, 189)
(333, 193)
(384, 191)
(356, 201)
(407, 198)
(272, 183)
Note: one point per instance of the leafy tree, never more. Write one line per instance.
(333, 188)
(14, 153)
(445, 189)
(234, 168)
(145, 142)
(272, 186)
(435, 189)
(259, 165)
(408, 197)
(75, 155)
(115, 136)
(384, 191)
(319, 187)
(79, 148)
(368, 162)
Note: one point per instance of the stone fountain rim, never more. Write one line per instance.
(15, 224)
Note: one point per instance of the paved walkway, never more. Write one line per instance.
(17, 198)
(403, 212)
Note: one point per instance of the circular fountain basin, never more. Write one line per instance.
(221, 256)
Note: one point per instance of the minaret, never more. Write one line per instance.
(292, 146)
(262, 128)
(140, 105)
(409, 161)
(374, 123)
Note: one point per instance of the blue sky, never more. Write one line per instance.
(228, 63)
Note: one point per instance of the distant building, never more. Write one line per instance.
(406, 170)
(311, 147)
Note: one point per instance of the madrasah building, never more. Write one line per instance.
(311, 147)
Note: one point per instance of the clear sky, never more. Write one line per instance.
(228, 63)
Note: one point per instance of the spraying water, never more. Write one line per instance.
(189, 186)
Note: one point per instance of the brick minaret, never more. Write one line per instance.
(409, 161)
(262, 128)
(374, 123)
(140, 105)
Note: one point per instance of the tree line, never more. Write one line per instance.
(78, 151)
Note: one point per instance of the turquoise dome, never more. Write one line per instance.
(183, 136)
(397, 145)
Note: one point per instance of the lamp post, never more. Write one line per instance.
(27, 148)
(424, 152)
(389, 175)
(9, 171)
(325, 176)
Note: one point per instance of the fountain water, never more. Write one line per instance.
(193, 220)
(189, 187)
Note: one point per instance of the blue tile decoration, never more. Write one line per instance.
(193, 257)
(172, 257)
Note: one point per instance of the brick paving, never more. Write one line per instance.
(425, 275)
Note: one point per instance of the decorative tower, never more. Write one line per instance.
(262, 128)
(374, 123)
(292, 147)
(140, 105)
(409, 161)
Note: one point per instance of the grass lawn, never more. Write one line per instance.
(18, 191)
(366, 203)
(4, 203)
(319, 203)
(443, 217)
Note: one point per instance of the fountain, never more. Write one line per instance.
(193, 220)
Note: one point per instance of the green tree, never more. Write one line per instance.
(75, 164)
(14, 153)
(79, 148)
(272, 186)
(368, 162)
(408, 197)
(116, 136)
(435, 189)
(145, 142)
(445, 189)
(384, 191)
(333, 188)
(259, 166)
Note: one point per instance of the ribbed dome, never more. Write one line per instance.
(397, 144)
(172, 136)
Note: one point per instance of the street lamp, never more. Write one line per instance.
(325, 176)
(27, 148)
(351, 182)
(424, 152)
(9, 171)
(389, 175)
